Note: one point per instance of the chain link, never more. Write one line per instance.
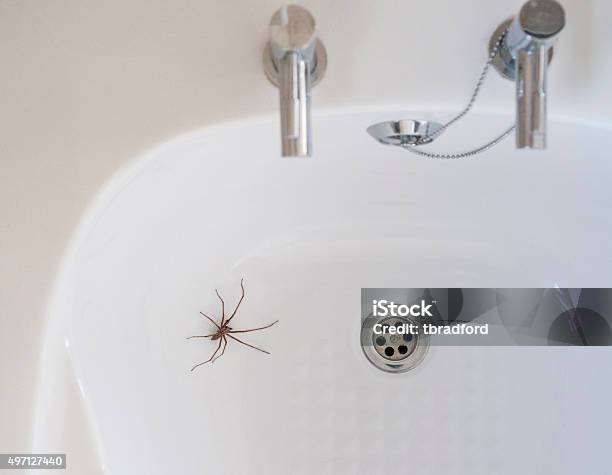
(450, 156)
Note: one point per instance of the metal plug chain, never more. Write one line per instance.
(485, 70)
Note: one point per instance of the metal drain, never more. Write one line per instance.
(394, 353)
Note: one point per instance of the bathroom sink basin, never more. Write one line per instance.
(205, 210)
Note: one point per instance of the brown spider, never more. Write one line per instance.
(224, 331)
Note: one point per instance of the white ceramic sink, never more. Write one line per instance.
(208, 209)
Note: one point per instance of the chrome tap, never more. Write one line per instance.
(523, 57)
(294, 61)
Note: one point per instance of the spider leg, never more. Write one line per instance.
(222, 351)
(254, 347)
(200, 336)
(253, 329)
(209, 359)
(222, 307)
(214, 323)
(239, 302)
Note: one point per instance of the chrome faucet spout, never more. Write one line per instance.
(294, 61)
(294, 88)
(524, 57)
(531, 100)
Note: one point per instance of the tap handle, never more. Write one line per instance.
(542, 19)
(292, 29)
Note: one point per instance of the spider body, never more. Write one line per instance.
(224, 331)
(221, 333)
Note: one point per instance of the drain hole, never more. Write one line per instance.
(392, 351)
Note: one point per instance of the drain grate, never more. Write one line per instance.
(392, 352)
(394, 347)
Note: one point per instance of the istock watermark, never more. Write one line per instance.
(384, 308)
(485, 317)
(431, 329)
